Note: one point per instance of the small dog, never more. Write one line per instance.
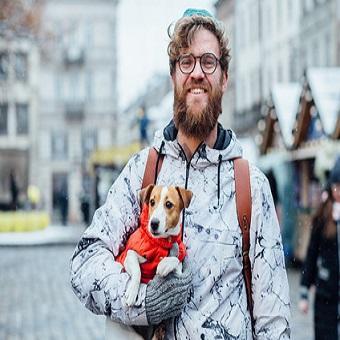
(155, 247)
(147, 249)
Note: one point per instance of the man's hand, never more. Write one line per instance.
(166, 296)
(303, 306)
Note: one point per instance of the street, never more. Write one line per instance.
(37, 303)
(36, 300)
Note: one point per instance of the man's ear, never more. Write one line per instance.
(185, 196)
(224, 81)
(173, 78)
(145, 193)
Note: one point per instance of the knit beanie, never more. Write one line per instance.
(196, 11)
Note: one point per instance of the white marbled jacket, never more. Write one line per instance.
(217, 307)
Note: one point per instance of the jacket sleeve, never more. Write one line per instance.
(309, 270)
(98, 281)
(270, 289)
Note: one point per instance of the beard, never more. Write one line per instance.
(193, 122)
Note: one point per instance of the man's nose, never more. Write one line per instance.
(197, 72)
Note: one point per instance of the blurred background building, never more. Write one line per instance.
(78, 96)
(58, 98)
(19, 101)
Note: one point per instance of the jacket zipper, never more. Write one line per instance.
(186, 187)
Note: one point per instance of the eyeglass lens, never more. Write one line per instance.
(208, 63)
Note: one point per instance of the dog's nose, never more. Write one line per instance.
(154, 224)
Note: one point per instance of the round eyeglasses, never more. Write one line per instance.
(208, 62)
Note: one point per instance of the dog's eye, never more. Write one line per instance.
(168, 204)
(152, 202)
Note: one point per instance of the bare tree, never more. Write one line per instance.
(20, 18)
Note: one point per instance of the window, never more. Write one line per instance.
(3, 119)
(101, 32)
(269, 20)
(4, 61)
(89, 35)
(58, 87)
(279, 15)
(250, 27)
(59, 145)
(290, 10)
(22, 118)
(89, 86)
(89, 142)
(72, 87)
(308, 5)
(255, 26)
(21, 66)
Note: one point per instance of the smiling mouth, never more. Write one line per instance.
(196, 91)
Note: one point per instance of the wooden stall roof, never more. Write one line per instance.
(281, 116)
(321, 90)
(325, 88)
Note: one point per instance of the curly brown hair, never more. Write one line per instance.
(184, 31)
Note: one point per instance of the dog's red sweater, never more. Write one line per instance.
(153, 249)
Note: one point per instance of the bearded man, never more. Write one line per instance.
(208, 301)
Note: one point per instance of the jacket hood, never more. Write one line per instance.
(226, 146)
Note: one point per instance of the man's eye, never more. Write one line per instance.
(169, 205)
(152, 202)
(209, 62)
(186, 62)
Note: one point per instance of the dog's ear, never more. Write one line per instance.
(185, 196)
(145, 193)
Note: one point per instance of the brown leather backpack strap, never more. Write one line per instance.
(243, 206)
(150, 171)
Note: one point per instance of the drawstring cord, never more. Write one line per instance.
(219, 178)
(157, 163)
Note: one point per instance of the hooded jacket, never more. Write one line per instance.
(217, 305)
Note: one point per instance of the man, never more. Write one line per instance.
(198, 154)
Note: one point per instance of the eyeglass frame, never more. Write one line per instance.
(217, 60)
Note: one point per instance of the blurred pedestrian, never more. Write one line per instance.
(321, 267)
(63, 204)
(85, 206)
(14, 190)
(143, 127)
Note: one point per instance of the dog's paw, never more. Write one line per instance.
(131, 293)
(167, 265)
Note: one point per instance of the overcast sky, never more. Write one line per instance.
(142, 40)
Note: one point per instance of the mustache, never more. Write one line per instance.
(203, 84)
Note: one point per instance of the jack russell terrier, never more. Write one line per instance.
(150, 250)
(147, 250)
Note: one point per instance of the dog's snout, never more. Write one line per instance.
(154, 224)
